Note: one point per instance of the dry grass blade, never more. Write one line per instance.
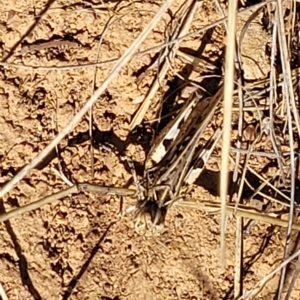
(288, 93)
(165, 66)
(118, 66)
(294, 279)
(259, 286)
(238, 280)
(228, 92)
(238, 283)
(272, 97)
(266, 182)
(2, 293)
(213, 207)
(76, 188)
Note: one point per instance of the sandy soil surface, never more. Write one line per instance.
(79, 248)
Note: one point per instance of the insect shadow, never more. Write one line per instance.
(22, 260)
(74, 281)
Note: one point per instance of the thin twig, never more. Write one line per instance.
(271, 186)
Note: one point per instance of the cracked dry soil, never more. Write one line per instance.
(78, 248)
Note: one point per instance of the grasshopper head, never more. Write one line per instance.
(149, 217)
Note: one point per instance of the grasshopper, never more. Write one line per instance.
(170, 162)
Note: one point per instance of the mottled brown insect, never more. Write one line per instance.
(171, 159)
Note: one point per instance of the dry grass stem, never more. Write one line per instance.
(228, 92)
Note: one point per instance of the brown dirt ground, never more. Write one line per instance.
(78, 248)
